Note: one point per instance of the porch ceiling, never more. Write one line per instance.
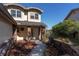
(26, 23)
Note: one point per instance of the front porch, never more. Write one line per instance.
(30, 30)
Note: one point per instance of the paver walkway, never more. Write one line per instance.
(39, 49)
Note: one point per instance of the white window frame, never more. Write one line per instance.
(33, 14)
(16, 13)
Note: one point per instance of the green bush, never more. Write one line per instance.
(67, 29)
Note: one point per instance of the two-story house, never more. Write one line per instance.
(29, 25)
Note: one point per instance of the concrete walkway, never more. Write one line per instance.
(39, 49)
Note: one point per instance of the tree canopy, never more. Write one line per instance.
(68, 28)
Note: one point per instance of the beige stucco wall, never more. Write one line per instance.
(23, 18)
(5, 30)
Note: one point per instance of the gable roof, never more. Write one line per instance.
(34, 8)
(5, 13)
(71, 13)
(14, 5)
(24, 8)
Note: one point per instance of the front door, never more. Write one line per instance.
(35, 32)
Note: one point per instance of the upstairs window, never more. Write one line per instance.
(13, 13)
(34, 16)
(16, 13)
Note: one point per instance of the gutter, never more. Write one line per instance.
(6, 14)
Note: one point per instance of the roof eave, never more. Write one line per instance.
(7, 15)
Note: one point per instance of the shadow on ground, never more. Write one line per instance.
(56, 48)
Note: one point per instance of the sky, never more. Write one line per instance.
(53, 13)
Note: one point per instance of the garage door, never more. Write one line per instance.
(5, 31)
